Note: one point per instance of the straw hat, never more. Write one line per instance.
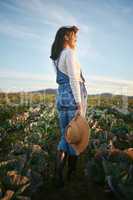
(77, 133)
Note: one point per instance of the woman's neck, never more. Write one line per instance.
(66, 46)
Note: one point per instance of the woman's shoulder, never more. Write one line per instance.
(68, 52)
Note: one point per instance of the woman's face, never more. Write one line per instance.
(72, 40)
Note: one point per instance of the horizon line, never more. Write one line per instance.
(23, 91)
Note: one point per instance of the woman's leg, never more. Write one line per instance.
(62, 150)
(72, 166)
(59, 167)
(72, 157)
(64, 118)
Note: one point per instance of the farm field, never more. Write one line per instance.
(29, 133)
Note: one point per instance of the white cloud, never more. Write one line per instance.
(55, 15)
(17, 31)
(14, 81)
(48, 11)
(95, 84)
(111, 80)
(44, 12)
(100, 84)
(24, 75)
(28, 86)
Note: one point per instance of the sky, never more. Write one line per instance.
(104, 43)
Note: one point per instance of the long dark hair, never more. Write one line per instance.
(58, 43)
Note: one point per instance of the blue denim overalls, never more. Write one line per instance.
(66, 106)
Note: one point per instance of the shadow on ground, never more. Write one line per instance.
(79, 188)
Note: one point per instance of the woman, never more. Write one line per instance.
(71, 96)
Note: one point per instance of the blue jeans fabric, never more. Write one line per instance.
(66, 107)
(65, 116)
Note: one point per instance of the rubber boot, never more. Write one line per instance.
(72, 166)
(59, 168)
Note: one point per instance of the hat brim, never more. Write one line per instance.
(81, 146)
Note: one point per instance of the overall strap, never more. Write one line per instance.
(57, 67)
(82, 76)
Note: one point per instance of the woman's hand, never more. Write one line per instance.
(79, 108)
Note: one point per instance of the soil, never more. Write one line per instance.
(80, 187)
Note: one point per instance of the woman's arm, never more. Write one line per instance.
(73, 74)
